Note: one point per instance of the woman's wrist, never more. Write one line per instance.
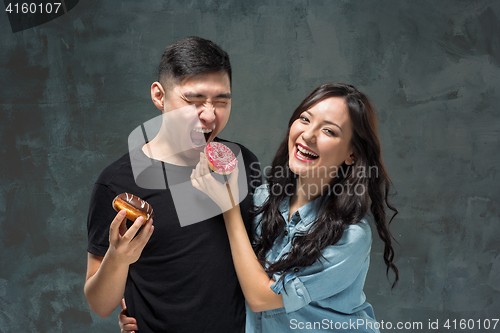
(228, 214)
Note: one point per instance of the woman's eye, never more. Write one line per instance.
(330, 132)
(304, 119)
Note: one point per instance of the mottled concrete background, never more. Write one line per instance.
(74, 88)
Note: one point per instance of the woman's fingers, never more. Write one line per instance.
(204, 165)
(123, 304)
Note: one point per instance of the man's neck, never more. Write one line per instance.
(161, 151)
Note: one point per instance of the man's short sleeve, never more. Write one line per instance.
(340, 267)
(99, 218)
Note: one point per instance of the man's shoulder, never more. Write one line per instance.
(120, 165)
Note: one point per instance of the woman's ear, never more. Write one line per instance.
(351, 159)
(158, 95)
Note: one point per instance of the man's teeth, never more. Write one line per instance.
(198, 145)
(304, 153)
(203, 130)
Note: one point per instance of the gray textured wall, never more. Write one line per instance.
(73, 89)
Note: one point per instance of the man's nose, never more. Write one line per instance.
(207, 113)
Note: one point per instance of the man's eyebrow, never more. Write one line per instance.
(195, 95)
(227, 96)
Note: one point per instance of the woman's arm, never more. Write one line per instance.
(254, 281)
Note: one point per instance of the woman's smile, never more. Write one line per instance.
(304, 154)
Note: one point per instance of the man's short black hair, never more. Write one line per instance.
(191, 56)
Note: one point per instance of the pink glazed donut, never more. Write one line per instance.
(220, 158)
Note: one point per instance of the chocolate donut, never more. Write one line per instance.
(220, 158)
(133, 205)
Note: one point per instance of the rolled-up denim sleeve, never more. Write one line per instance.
(341, 265)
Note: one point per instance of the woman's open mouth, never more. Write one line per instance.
(304, 154)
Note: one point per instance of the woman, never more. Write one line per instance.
(307, 267)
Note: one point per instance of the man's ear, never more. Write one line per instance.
(158, 95)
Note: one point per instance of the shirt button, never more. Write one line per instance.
(286, 233)
(296, 269)
(297, 214)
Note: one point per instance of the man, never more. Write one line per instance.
(175, 279)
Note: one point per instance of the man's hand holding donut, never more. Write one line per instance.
(123, 247)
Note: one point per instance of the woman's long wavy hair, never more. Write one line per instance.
(338, 210)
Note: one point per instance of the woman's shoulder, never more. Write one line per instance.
(358, 235)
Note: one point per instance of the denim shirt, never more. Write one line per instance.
(326, 296)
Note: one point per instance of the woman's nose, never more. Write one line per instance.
(309, 135)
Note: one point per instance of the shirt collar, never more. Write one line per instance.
(308, 213)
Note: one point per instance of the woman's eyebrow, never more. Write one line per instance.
(332, 123)
(324, 121)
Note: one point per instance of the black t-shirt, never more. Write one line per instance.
(185, 279)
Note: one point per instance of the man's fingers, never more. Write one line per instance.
(123, 227)
(114, 228)
(142, 239)
(132, 231)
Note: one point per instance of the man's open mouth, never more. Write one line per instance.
(200, 136)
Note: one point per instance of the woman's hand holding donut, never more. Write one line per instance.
(226, 196)
(123, 247)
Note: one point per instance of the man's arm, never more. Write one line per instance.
(106, 276)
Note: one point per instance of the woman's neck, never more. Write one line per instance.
(307, 190)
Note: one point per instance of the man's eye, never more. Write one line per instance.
(195, 102)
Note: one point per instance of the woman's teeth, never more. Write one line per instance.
(305, 154)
